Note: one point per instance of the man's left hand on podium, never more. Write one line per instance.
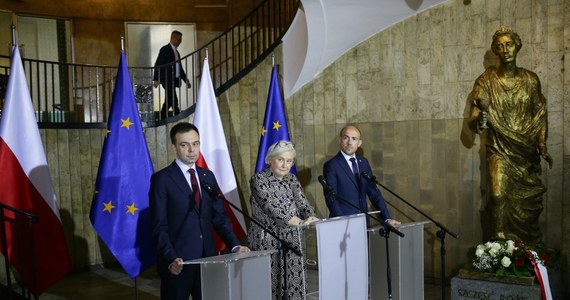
(394, 223)
(240, 249)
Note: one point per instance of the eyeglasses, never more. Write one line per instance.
(283, 144)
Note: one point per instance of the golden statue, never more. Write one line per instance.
(508, 105)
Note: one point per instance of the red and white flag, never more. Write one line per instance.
(214, 149)
(26, 185)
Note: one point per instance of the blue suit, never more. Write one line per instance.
(180, 229)
(339, 176)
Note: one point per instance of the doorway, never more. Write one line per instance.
(143, 42)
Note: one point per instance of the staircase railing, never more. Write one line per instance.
(16, 228)
(79, 95)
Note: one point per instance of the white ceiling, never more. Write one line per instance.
(325, 29)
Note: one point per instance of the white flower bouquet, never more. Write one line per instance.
(509, 258)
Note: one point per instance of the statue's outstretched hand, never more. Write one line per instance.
(548, 159)
(544, 154)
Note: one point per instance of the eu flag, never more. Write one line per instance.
(119, 211)
(274, 123)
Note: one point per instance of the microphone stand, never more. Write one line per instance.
(285, 245)
(386, 235)
(440, 233)
(383, 232)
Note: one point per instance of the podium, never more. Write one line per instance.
(341, 257)
(243, 276)
(406, 262)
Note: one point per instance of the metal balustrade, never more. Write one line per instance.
(67, 95)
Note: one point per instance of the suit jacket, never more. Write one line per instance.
(339, 176)
(165, 68)
(179, 228)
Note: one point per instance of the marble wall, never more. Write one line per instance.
(407, 89)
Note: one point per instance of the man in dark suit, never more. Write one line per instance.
(183, 216)
(343, 173)
(170, 74)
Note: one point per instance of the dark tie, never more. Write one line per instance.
(355, 168)
(195, 188)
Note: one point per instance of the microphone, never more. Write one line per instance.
(325, 185)
(370, 179)
(211, 190)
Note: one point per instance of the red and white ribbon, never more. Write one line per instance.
(542, 274)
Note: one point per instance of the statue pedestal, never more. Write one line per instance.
(469, 285)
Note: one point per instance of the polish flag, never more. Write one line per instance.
(214, 150)
(39, 254)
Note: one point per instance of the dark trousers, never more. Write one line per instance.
(181, 286)
(170, 100)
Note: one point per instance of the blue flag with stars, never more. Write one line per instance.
(119, 211)
(274, 123)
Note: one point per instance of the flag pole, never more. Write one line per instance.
(136, 282)
(136, 289)
(14, 42)
(273, 59)
(135, 279)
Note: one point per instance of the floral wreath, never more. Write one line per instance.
(510, 258)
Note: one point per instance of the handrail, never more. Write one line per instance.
(67, 95)
(17, 242)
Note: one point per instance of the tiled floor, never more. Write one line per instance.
(112, 283)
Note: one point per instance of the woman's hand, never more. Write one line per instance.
(310, 220)
(295, 221)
